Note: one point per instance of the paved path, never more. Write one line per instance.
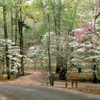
(31, 92)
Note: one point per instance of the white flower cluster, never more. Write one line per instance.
(13, 52)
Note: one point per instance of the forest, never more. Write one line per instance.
(51, 35)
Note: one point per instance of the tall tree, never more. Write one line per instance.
(48, 42)
(6, 37)
(20, 25)
(12, 23)
(16, 21)
(57, 32)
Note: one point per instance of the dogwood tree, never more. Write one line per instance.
(90, 22)
(13, 54)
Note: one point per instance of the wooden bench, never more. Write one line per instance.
(76, 83)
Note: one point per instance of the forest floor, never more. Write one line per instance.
(35, 77)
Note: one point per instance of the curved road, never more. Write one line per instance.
(30, 92)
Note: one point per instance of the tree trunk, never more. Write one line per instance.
(35, 62)
(12, 61)
(41, 63)
(49, 55)
(11, 23)
(3, 60)
(57, 27)
(94, 79)
(20, 24)
(6, 37)
(16, 24)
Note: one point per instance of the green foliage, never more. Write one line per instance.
(36, 5)
(27, 26)
(42, 29)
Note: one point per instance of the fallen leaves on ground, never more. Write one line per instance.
(89, 89)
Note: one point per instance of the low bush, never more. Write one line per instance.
(81, 77)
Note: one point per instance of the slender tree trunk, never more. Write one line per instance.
(35, 62)
(57, 27)
(11, 23)
(3, 63)
(20, 24)
(12, 61)
(94, 80)
(41, 63)
(16, 24)
(61, 63)
(49, 55)
(6, 37)
(65, 63)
